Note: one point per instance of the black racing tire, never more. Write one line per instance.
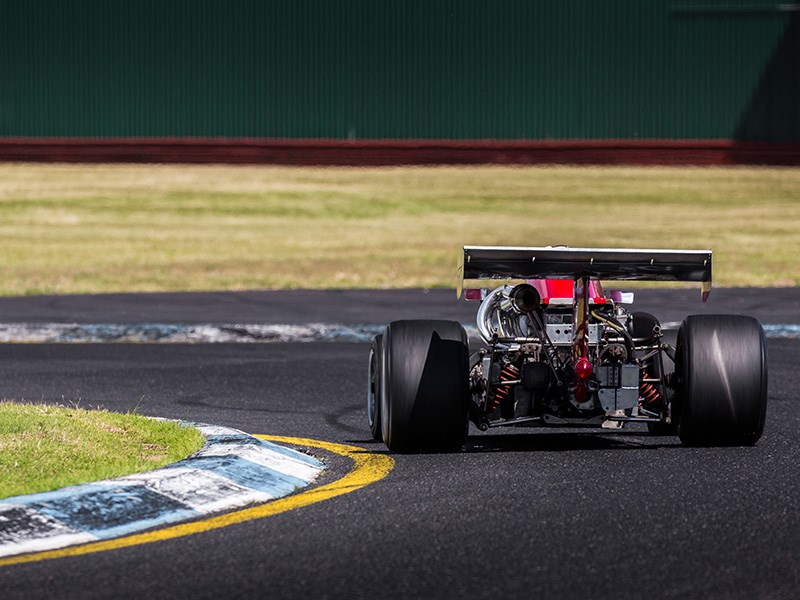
(721, 366)
(374, 388)
(425, 384)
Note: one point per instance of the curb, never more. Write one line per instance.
(201, 333)
(231, 470)
(161, 333)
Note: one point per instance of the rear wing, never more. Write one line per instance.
(484, 266)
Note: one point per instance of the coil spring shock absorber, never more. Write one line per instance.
(508, 373)
(650, 395)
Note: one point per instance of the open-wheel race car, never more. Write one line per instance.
(559, 351)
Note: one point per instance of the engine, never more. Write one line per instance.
(552, 363)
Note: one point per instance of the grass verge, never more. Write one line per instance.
(108, 228)
(45, 447)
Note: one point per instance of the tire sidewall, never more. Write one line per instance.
(374, 391)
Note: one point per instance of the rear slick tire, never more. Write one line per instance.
(721, 365)
(425, 384)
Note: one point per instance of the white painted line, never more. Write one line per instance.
(203, 491)
(266, 458)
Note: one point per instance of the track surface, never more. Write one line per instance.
(545, 513)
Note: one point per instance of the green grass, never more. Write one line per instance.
(78, 228)
(45, 447)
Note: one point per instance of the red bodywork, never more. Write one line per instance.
(562, 291)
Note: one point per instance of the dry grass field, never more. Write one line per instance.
(106, 228)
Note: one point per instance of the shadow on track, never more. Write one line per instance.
(556, 441)
(568, 441)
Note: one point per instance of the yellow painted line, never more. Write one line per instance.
(367, 468)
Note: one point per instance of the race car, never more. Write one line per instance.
(559, 351)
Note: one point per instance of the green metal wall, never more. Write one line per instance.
(501, 69)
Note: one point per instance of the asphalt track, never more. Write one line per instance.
(544, 513)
